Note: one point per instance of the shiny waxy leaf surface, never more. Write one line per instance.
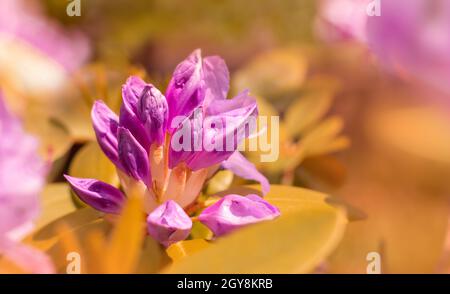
(299, 240)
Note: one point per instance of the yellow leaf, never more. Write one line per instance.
(337, 144)
(291, 155)
(58, 167)
(68, 242)
(307, 111)
(56, 201)
(74, 113)
(152, 258)
(122, 255)
(183, 249)
(317, 140)
(219, 182)
(85, 233)
(200, 231)
(54, 138)
(305, 234)
(91, 162)
(274, 72)
(46, 237)
(65, 234)
(258, 146)
(95, 246)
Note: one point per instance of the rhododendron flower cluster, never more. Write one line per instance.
(154, 143)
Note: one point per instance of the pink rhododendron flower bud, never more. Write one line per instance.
(234, 211)
(169, 223)
(153, 111)
(97, 194)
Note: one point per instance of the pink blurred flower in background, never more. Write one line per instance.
(35, 50)
(414, 37)
(342, 20)
(22, 177)
(409, 37)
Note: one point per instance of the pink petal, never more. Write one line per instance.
(243, 168)
(97, 194)
(169, 223)
(186, 90)
(105, 123)
(133, 157)
(217, 79)
(235, 211)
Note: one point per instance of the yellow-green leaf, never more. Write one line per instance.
(47, 236)
(152, 258)
(56, 201)
(336, 144)
(263, 74)
(219, 182)
(54, 138)
(123, 253)
(54, 242)
(74, 112)
(91, 162)
(200, 231)
(322, 138)
(305, 234)
(307, 110)
(183, 249)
